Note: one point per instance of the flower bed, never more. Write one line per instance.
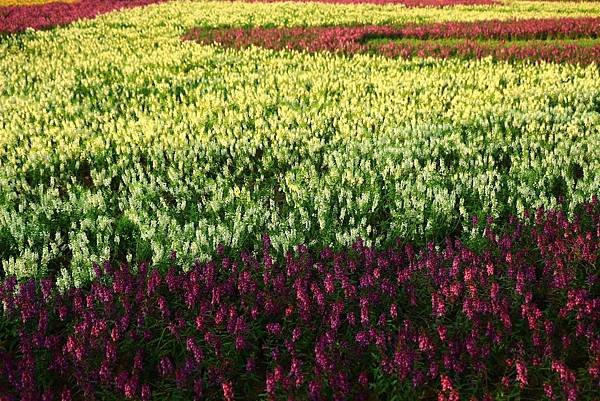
(407, 3)
(121, 142)
(515, 311)
(475, 43)
(37, 16)
(523, 29)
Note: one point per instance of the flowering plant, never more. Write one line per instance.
(452, 319)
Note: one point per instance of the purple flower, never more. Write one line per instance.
(363, 338)
(363, 379)
(195, 350)
(165, 366)
(274, 328)
(145, 393)
(198, 388)
(521, 373)
(131, 387)
(314, 389)
(66, 395)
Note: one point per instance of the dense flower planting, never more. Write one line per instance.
(407, 3)
(44, 14)
(37, 14)
(557, 52)
(552, 28)
(120, 141)
(357, 39)
(517, 311)
(140, 174)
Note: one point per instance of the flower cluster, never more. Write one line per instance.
(515, 311)
(428, 40)
(38, 14)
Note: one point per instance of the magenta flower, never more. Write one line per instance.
(227, 391)
(521, 373)
(195, 350)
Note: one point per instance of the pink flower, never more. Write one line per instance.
(521, 373)
(363, 379)
(274, 328)
(66, 395)
(437, 305)
(194, 349)
(548, 390)
(227, 391)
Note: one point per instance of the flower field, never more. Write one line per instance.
(334, 200)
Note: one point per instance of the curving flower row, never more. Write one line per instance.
(38, 15)
(522, 29)
(407, 3)
(514, 311)
(8, 3)
(429, 39)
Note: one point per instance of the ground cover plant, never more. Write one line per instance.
(196, 203)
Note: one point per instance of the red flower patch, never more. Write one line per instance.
(557, 40)
(18, 18)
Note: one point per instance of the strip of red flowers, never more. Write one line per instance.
(517, 314)
(563, 39)
(18, 18)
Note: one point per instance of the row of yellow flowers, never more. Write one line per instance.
(9, 3)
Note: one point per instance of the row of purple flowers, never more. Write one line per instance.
(515, 311)
(428, 40)
(550, 28)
